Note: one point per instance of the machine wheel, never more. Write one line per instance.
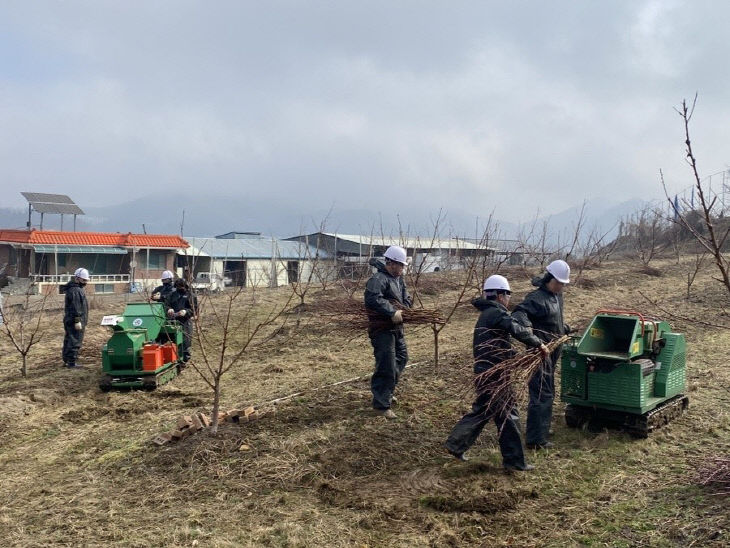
(576, 416)
(105, 383)
(148, 385)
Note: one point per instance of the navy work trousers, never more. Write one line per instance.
(391, 356)
(72, 341)
(505, 417)
(542, 395)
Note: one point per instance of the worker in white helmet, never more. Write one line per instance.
(75, 317)
(385, 296)
(161, 292)
(542, 310)
(492, 345)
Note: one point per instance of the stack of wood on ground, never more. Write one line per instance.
(507, 382)
(187, 425)
(350, 315)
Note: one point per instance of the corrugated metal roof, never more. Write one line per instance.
(59, 237)
(420, 242)
(251, 248)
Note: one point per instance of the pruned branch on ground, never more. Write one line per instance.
(714, 473)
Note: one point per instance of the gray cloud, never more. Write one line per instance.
(463, 105)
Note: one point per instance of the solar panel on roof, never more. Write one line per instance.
(63, 209)
(52, 203)
(47, 198)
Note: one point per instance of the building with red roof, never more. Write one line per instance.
(116, 262)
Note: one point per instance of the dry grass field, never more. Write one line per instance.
(320, 469)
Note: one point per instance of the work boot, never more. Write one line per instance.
(387, 413)
(458, 456)
(518, 467)
(74, 366)
(540, 446)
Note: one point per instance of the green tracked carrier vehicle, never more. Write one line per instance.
(626, 370)
(133, 357)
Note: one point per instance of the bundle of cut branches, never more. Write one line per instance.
(352, 316)
(506, 382)
(715, 473)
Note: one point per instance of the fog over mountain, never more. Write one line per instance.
(209, 216)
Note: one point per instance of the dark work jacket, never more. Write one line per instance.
(493, 332)
(382, 288)
(543, 311)
(76, 307)
(182, 301)
(164, 290)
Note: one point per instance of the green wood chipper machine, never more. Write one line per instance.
(626, 370)
(142, 351)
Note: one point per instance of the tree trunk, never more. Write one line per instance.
(216, 406)
(436, 332)
(24, 369)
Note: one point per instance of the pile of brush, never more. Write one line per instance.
(350, 315)
(715, 473)
(507, 381)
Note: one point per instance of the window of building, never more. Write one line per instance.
(157, 259)
(103, 288)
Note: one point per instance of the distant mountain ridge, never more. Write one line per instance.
(208, 216)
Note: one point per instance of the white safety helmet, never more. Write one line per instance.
(82, 273)
(496, 282)
(397, 254)
(560, 271)
(167, 275)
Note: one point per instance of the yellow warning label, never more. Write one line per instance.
(596, 333)
(635, 347)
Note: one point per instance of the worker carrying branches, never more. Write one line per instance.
(492, 345)
(383, 289)
(542, 310)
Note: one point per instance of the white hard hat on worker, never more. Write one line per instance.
(495, 282)
(560, 271)
(397, 254)
(167, 275)
(82, 274)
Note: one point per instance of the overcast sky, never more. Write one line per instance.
(466, 105)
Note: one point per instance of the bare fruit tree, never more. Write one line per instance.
(708, 234)
(309, 257)
(694, 269)
(423, 261)
(21, 323)
(227, 327)
(491, 260)
(646, 230)
(467, 258)
(535, 241)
